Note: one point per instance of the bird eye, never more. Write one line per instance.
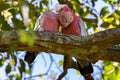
(61, 9)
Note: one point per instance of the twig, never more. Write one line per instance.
(57, 66)
(44, 59)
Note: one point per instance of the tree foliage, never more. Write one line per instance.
(22, 15)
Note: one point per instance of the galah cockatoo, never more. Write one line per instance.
(46, 22)
(73, 25)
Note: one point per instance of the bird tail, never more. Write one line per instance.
(85, 69)
(88, 77)
(30, 57)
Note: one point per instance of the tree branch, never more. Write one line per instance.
(114, 54)
(90, 48)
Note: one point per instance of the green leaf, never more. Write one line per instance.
(118, 74)
(28, 71)
(41, 6)
(4, 6)
(21, 68)
(4, 24)
(18, 77)
(105, 24)
(104, 11)
(15, 58)
(78, 73)
(1, 62)
(113, 76)
(93, 2)
(110, 1)
(8, 68)
(91, 25)
(61, 62)
(45, 2)
(109, 69)
(22, 63)
(11, 76)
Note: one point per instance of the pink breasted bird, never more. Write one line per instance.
(46, 22)
(73, 25)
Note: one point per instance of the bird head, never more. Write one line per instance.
(65, 15)
(62, 7)
(65, 18)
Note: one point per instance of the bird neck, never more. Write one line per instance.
(73, 28)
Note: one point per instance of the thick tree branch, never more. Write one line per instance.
(114, 54)
(90, 48)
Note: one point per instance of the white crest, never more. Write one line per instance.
(60, 7)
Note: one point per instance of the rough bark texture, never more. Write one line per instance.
(90, 48)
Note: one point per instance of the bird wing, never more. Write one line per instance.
(82, 27)
(38, 25)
